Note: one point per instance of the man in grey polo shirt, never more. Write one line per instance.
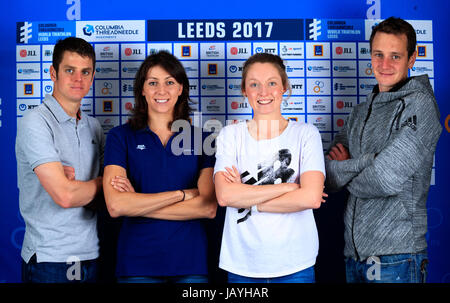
(59, 151)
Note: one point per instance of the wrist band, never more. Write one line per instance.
(254, 209)
(184, 195)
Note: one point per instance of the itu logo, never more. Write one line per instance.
(88, 30)
(314, 29)
(25, 30)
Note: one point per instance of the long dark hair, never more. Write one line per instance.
(170, 64)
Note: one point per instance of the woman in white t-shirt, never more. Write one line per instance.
(270, 234)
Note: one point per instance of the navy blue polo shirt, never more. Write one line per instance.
(154, 247)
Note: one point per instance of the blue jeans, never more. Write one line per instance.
(55, 272)
(304, 276)
(401, 268)
(174, 279)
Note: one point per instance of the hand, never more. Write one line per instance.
(324, 195)
(232, 175)
(338, 152)
(122, 184)
(69, 172)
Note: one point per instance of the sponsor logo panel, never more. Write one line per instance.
(133, 51)
(293, 105)
(111, 31)
(106, 88)
(108, 122)
(318, 86)
(344, 50)
(153, 48)
(365, 69)
(106, 52)
(104, 70)
(27, 53)
(339, 122)
(422, 67)
(293, 50)
(24, 105)
(186, 51)
(25, 71)
(107, 106)
(295, 68)
(239, 50)
(363, 50)
(297, 86)
(317, 50)
(322, 122)
(28, 89)
(234, 87)
(212, 87)
(129, 68)
(47, 52)
(213, 105)
(344, 68)
(366, 86)
(214, 69)
(318, 68)
(344, 86)
(263, 47)
(238, 105)
(319, 105)
(234, 68)
(294, 117)
(212, 51)
(344, 104)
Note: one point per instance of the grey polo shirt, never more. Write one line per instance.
(48, 134)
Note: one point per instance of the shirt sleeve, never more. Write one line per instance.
(226, 148)
(403, 156)
(35, 139)
(312, 151)
(115, 149)
(208, 159)
(340, 173)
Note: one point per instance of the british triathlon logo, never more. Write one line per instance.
(88, 30)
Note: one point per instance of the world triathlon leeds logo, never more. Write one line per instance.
(24, 30)
(314, 29)
(88, 30)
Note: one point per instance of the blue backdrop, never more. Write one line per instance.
(329, 217)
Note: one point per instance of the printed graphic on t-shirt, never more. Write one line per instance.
(273, 171)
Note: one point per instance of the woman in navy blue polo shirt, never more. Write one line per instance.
(161, 194)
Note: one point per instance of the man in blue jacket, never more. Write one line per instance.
(384, 157)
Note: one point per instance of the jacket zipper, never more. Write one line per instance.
(356, 199)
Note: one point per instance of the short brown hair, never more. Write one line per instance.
(397, 26)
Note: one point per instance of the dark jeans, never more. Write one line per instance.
(53, 272)
(401, 268)
(174, 279)
(304, 276)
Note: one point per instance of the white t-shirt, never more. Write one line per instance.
(269, 244)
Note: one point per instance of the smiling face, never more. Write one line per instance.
(161, 91)
(73, 79)
(264, 90)
(390, 60)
